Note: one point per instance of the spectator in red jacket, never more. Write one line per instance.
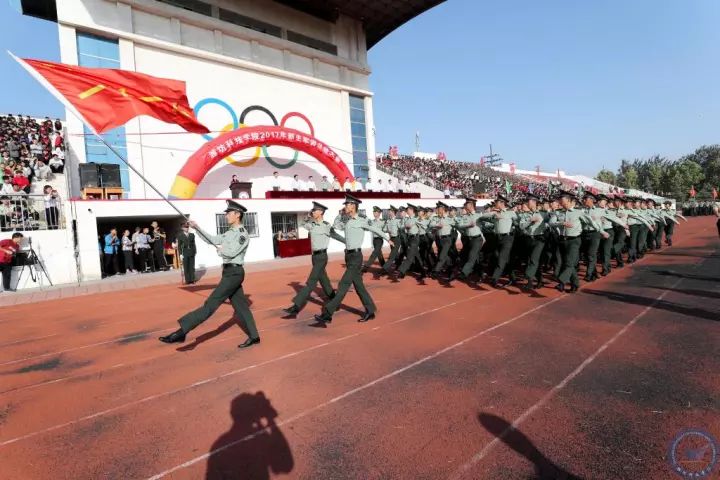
(8, 249)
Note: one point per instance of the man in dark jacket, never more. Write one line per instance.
(187, 251)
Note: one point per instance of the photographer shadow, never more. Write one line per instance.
(254, 447)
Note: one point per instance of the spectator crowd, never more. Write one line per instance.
(465, 179)
(140, 251)
(31, 152)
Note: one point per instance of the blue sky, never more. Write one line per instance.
(560, 84)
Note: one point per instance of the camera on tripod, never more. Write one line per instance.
(28, 258)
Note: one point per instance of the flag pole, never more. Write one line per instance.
(71, 108)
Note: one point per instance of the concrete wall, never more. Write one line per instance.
(235, 65)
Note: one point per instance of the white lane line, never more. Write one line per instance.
(352, 392)
(25, 340)
(233, 372)
(554, 391)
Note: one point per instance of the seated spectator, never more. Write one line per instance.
(56, 165)
(391, 186)
(296, 185)
(22, 181)
(336, 185)
(310, 184)
(346, 185)
(324, 184)
(369, 186)
(6, 210)
(276, 183)
(42, 171)
(7, 186)
(402, 186)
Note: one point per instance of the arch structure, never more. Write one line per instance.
(210, 154)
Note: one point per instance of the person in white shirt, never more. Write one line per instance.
(346, 184)
(380, 186)
(296, 185)
(310, 184)
(336, 185)
(359, 187)
(369, 186)
(7, 185)
(56, 165)
(275, 183)
(446, 192)
(391, 186)
(42, 171)
(51, 200)
(402, 186)
(59, 153)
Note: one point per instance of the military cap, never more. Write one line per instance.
(393, 209)
(377, 209)
(401, 208)
(651, 200)
(501, 198)
(410, 205)
(589, 194)
(234, 207)
(531, 196)
(351, 199)
(470, 200)
(318, 206)
(442, 205)
(565, 193)
(667, 202)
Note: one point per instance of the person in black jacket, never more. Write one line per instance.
(186, 249)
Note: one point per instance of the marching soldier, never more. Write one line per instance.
(231, 247)
(610, 223)
(379, 224)
(570, 221)
(534, 226)
(320, 234)
(412, 230)
(443, 225)
(503, 220)
(670, 226)
(402, 251)
(354, 227)
(475, 239)
(392, 228)
(187, 250)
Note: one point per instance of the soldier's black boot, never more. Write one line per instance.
(249, 342)
(367, 316)
(291, 311)
(178, 336)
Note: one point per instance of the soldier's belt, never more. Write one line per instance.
(318, 252)
(354, 250)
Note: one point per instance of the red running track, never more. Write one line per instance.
(596, 384)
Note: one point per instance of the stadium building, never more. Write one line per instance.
(302, 64)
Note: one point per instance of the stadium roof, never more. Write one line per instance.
(380, 17)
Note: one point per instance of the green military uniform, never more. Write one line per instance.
(412, 230)
(354, 228)
(475, 239)
(570, 242)
(443, 226)
(376, 254)
(187, 250)
(534, 225)
(320, 234)
(392, 228)
(503, 222)
(233, 245)
(324, 185)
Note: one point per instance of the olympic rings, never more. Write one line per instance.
(240, 123)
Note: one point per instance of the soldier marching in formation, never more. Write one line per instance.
(531, 238)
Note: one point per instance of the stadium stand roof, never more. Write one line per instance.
(380, 17)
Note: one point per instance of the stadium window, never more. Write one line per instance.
(311, 42)
(357, 132)
(191, 5)
(249, 222)
(284, 222)
(251, 23)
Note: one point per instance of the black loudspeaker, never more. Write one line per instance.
(110, 175)
(89, 175)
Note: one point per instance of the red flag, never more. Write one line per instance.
(714, 193)
(107, 98)
(692, 191)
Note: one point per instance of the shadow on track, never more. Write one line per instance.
(659, 305)
(254, 447)
(545, 469)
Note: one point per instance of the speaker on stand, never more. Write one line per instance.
(89, 175)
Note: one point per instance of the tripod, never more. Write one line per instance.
(32, 263)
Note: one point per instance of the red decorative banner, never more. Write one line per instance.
(202, 161)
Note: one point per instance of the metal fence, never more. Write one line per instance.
(21, 212)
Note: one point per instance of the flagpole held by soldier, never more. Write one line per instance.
(231, 247)
(320, 234)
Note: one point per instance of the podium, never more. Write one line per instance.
(243, 190)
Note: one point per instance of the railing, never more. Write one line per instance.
(20, 212)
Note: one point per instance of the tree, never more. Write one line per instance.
(606, 176)
(627, 176)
